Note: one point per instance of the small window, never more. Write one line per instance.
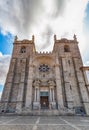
(70, 87)
(66, 48)
(69, 62)
(69, 74)
(20, 61)
(23, 49)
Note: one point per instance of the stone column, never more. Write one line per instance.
(58, 86)
(36, 102)
(21, 87)
(52, 102)
(35, 95)
(53, 95)
(28, 103)
(38, 94)
(50, 95)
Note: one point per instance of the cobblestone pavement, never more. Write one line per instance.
(44, 123)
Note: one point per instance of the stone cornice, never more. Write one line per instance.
(24, 42)
(84, 68)
(66, 41)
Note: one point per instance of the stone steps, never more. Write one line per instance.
(46, 112)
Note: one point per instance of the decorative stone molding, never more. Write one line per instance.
(51, 83)
(36, 83)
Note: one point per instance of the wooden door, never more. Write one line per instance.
(44, 102)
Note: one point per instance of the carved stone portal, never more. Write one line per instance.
(44, 94)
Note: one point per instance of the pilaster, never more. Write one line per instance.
(52, 102)
(28, 103)
(36, 102)
(58, 85)
(21, 87)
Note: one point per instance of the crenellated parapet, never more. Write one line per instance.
(65, 40)
(42, 53)
(26, 41)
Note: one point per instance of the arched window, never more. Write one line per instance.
(23, 49)
(66, 48)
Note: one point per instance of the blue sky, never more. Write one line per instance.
(1, 87)
(61, 18)
(87, 17)
(6, 43)
(6, 47)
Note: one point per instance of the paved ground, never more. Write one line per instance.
(44, 123)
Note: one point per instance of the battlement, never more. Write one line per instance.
(62, 40)
(65, 40)
(44, 53)
(26, 41)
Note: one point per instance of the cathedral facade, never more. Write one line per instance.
(53, 81)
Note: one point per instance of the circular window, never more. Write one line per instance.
(44, 68)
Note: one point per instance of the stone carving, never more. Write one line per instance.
(36, 83)
(51, 83)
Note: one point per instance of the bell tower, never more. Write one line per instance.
(75, 94)
(14, 93)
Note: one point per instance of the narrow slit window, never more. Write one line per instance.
(70, 87)
(66, 48)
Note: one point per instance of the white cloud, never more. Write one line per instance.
(87, 63)
(44, 18)
(4, 65)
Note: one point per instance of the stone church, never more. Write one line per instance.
(46, 82)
